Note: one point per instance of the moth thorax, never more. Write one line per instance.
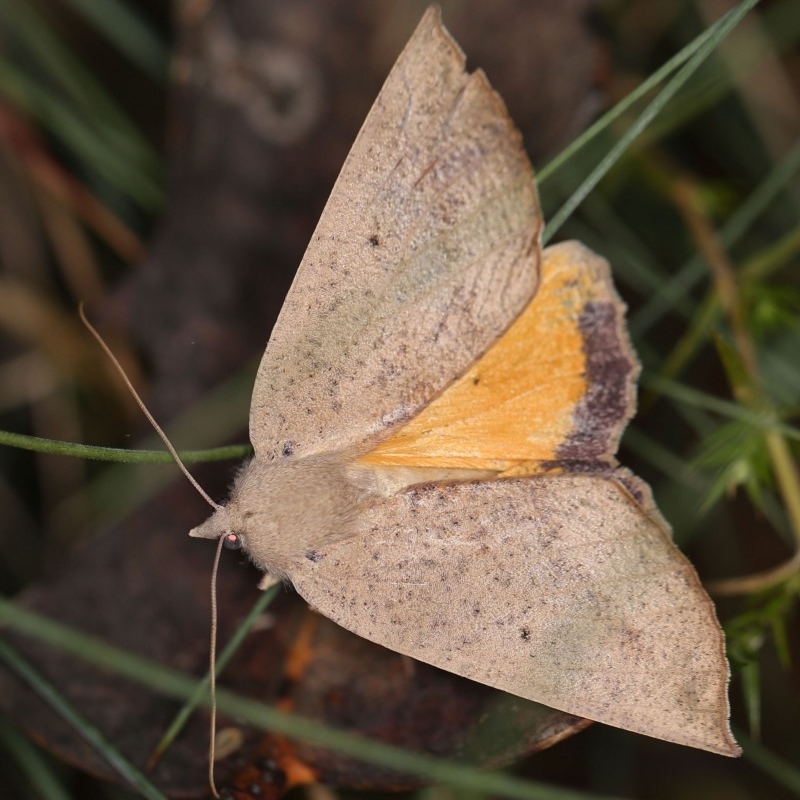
(283, 510)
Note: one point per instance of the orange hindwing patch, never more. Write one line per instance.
(557, 386)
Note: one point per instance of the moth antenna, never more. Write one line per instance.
(212, 669)
(212, 676)
(150, 418)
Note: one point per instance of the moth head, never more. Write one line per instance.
(219, 525)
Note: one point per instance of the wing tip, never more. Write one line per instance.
(431, 27)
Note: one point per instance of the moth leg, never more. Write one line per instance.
(267, 581)
(409, 666)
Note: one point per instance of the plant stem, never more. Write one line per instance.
(748, 389)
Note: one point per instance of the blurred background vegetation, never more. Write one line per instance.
(699, 218)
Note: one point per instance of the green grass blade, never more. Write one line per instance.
(118, 455)
(694, 397)
(61, 66)
(128, 177)
(89, 732)
(32, 764)
(782, 772)
(623, 105)
(719, 31)
(227, 653)
(72, 104)
(127, 31)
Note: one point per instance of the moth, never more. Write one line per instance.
(435, 422)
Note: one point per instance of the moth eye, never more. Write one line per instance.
(231, 541)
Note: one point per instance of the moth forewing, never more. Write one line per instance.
(426, 252)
